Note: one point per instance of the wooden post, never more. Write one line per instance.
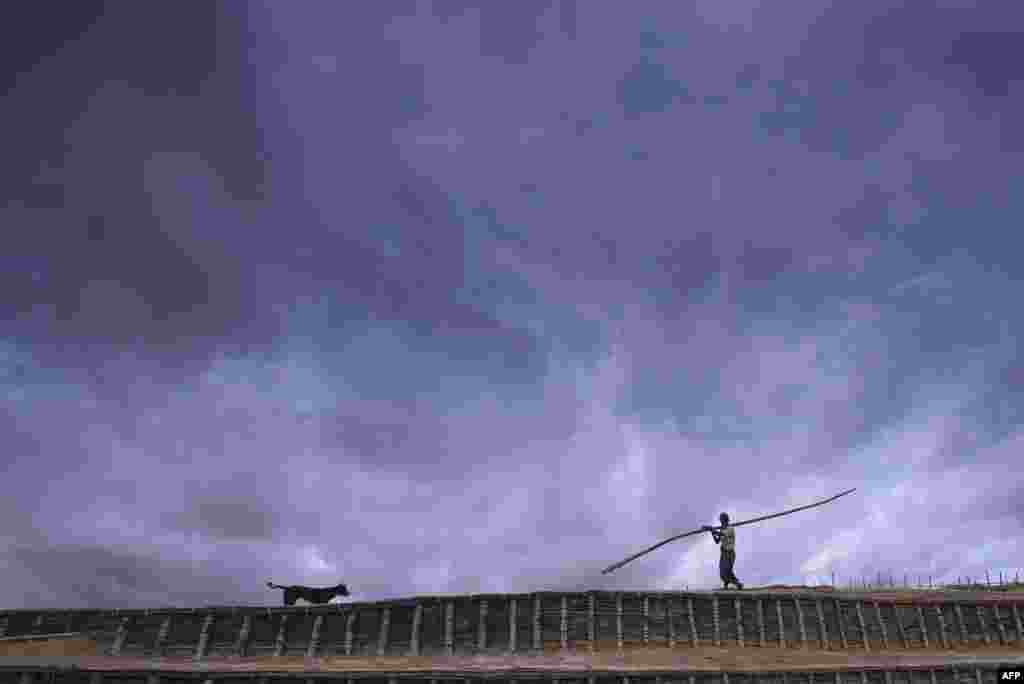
(161, 636)
(999, 623)
(782, 629)
(942, 627)
(204, 637)
(888, 676)
(924, 626)
(881, 626)
(933, 677)
(899, 626)
(242, 641)
(37, 624)
(121, 636)
(820, 610)
(693, 621)
(977, 672)
(538, 642)
(591, 621)
(715, 621)
(481, 632)
(760, 623)
(350, 623)
(3, 626)
(449, 628)
(739, 623)
(26, 677)
(314, 637)
(385, 628)
(863, 627)
(644, 631)
(513, 609)
(961, 625)
(618, 620)
(839, 622)
(563, 626)
(1017, 620)
(671, 623)
(414, 638)
(512, 625)
(984, 627)
(281, 642)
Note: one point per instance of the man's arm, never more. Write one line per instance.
(715, 534)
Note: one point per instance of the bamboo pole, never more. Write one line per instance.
(671, 623)
(715, 621)
(942, 627)
(961, 625)
(924, 625)
(984, 628)
(644, 628)
(563, 627)
(280, 643)
(693, 621)
(618, 620)
(881, 625)
(821, 623)
(512, 625)
(161, 636)
(999, 623)
(760, 623)
(782, 629)
(739, 622)
(314, 637)
(204, 637)
(385, 627)
(242, 641)
(537, 641)
(350, 622)
(591, 622)
(839, 622)
(414, 638)
(899, 625)
(481, 633)
(121, 636)
(449, 628)
(863, 628)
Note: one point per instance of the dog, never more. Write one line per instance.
(311, 594)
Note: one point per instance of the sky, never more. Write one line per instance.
(454, 297)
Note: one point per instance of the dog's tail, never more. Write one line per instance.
(274, 586)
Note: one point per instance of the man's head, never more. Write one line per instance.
(342, 590)
(724, 518)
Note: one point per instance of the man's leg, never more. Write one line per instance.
(728, 577)
(732, 574)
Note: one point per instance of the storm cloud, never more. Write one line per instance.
(431, 297)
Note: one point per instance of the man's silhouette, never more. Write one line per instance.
(727, 538)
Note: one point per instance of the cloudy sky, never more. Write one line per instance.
(434, 297)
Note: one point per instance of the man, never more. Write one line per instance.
(727, 538)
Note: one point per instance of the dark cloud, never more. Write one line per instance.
(432, 297)
(648, 88)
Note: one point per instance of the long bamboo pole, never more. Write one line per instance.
(616, 566)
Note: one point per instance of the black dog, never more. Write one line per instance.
(311, 594)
